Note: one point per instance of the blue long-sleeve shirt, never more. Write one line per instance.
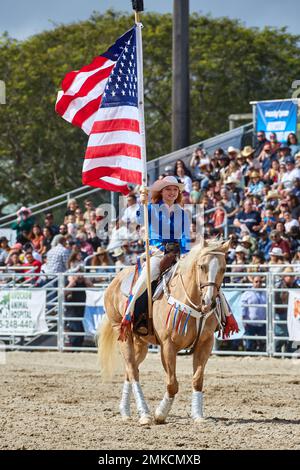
(165, 226)
(253, 313)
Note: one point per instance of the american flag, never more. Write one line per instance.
(102, 99)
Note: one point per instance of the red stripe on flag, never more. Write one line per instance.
(84, 113)
(69, 78)
(113, 150)
(116, 125)
(90, 83)
(122, 174)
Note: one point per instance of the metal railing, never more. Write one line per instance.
(265, 336)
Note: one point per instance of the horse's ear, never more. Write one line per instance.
(225, 246)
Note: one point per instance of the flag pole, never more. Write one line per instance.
(138, 6)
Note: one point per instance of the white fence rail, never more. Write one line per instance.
(266, 336)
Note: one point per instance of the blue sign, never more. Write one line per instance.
(277, 116)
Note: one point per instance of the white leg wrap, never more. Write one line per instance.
(125, 400)
(197, 405)
(164, 408)
(140, 399)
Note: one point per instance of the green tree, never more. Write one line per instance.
(41, 154)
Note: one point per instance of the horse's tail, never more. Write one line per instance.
(107, 349)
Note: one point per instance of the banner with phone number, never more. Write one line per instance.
(22, 312)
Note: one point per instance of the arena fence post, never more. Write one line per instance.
(270, 344)
(60, 312)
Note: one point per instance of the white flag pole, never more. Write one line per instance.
(138, 6)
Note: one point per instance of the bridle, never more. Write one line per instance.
(202, 286)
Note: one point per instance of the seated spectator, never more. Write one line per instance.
(264, 244)
(85, 247)
(79, 220)
(63, 230)
(183, 165)
(274, 142)
(195, 195)
(71, 208)
(4, 250)
(37, 238)
(249, 243)
(258, 260)
(93, 239)
(218, 216)
(46, 243)
(238, 265)
(129, 216)
(290, 175)
(269, 220)
(253, 162)
(184, 179)
(119, 257)
(33, 266)
(279, 242)
(293, 203)
(260, 143)
(229, 205)
(292, 142)
(289, 221)
(24, 222)
(236, 192)
(272, 175)
(296, 259)
(233, 170)
(272, 198)
(72, 227)
(254, 308)
(75, 260)
(89, 207)
(232, 153)
(168, 171)
(101, 259)
(256, 184)
(49, 223)
(276, 262)
(248, 219)
(13, 259)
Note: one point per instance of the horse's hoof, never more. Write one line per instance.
(159, 417)
(146, 419)
(126, 418)
(199, 420)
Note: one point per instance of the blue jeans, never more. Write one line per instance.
(253, 344)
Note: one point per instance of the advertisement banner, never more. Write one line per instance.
(277, 116)
(233, 297)
(22, 312)
(293, 320)
(94, 311)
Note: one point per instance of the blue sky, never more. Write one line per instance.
(22, 18)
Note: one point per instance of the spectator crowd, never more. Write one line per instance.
(253, 191)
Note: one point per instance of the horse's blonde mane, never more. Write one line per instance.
(186, 263)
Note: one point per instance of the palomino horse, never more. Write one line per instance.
(196, 283)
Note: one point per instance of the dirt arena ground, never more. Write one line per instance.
(53, 400)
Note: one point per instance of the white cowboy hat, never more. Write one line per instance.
(118, 252)
(231, 179)
(232, 149)
(166, 181)
(276, 251)
(241, 249)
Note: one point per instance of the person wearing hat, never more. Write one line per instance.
(240, 259)
(256, 185)
(169, 229)
(291, 173)
(232, 152)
